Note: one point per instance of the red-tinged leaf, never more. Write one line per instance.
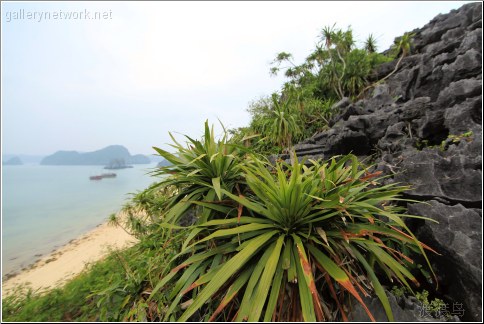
(363, 291)
(345, 236)
(392, 251)
(411, 238)
(239, 211)
(370, 175)
(339, 275)
(181, 266)
(309, 278)
(227, 299)
(191, 287)
(235, 316)
(333, 292)
(229, 268)
(352, 279)
(348, 286)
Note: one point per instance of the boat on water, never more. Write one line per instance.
(104, 175)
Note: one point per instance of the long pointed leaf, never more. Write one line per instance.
(230, 268)
(265, 281)
(216, 187)
(308, 275)
(339, 275)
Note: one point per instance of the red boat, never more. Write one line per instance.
(98, 177)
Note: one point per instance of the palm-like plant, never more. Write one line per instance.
(301, 241)
(198, 172)
(283, 127)
(370, 44)
(341, 43)
(402, 46)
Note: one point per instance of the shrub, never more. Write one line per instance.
(198, 172)
(302, 240)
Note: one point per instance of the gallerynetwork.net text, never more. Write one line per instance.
(40, 16)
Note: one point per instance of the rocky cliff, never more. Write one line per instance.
(423, 126)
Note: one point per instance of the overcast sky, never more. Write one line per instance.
(145, 69)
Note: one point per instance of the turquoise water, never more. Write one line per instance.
(44, 207)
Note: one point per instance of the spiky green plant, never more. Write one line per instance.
(370, 44)
(302, 240)
(283, 127)
(198, 171)
(402, 46)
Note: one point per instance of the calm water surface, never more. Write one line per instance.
(44, 207)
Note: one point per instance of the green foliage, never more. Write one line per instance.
(451, 139)
(296, 236)
(282, 125)
(370, 44)
(277, 123)
(117, 288)
(335, 69)
(435, 307)
(402, 46)
(142, 214)
(197, 172)
(114, 289)
(399, 291)
(456, 139)
(283, 242)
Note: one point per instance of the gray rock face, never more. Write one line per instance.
(404, 309)
(440, 174)
(424, 127)
(458, 236)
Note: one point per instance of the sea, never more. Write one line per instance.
(44, 207)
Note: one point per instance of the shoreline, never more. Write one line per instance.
(38, 258)
(54, 269)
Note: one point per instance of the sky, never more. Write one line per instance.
(85, 75)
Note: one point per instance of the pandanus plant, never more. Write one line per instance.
(197, 171)
(401, 46)
(295, 245)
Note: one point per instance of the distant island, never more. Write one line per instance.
(116, 164)
(13, 161)
(163, 163)
(105, 156)
(25, 158)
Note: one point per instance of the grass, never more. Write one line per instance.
(109, 290)
(74, 301)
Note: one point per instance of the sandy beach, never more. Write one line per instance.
(66, 262)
